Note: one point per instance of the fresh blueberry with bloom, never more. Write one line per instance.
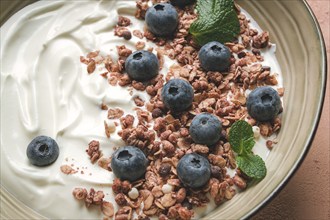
(129, 163)
(177, 95)
(162, 19)
(42, 151)
(205, 129)
(264, 103)
(214, 56)
(194, 170)
(142, 65)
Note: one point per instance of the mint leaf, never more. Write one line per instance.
(248, 144)
(241, 137)
(242, 141)
(217, 21)
(252, 165)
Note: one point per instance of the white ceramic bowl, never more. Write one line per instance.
(301, 54)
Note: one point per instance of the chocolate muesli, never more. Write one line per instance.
(78, 88)
(163, 135)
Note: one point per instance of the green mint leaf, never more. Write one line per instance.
(241, 137)
(217, 21)
(252, 165)
(249, 143)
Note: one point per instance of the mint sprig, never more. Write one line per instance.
(242, 141)
(217, 21)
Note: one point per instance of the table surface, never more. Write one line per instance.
(307, 196)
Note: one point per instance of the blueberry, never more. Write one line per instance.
(162, 19)
(214, 56)
(194, 170)
(182, 3)
(42, 151)
(263, 103)
(142, 65)
(177, 95)
(129, 163)
(205, 129)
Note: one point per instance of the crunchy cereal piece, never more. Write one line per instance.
(199, 148)
(265, 129)
(152, 211)
(181, 195)
(138, 101)
(271, 80)
(217, 160)
(148, 199)
(138, 34)
(144, 117)
(140, 45)
(150, 36)
(79, 193)
(107, 209)
(157, 191)
(93, 54)
(123, 51)
(124, 213)
(138, 85)
(160, 56)
(120, 199)
(277, 124)
(185, 213)
(115, 113)
(104, 106)
(124, 80)
(239, 182)
(109, 128)
(126, 186)
(183, 143)
(269, 144)
(280, 91)
(116, 186)
(142, 216)
(167, 200)
(91, 67)
(261, 40)
(123, 21)
(173, 212)
(104, 163)
(140, 137)
(123, 32)
(66, 169)
(94, 197)
(214, 189)
(168, 148)
(113, 79)
(142, 7)
(93, 151)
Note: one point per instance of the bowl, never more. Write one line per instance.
(302, 57)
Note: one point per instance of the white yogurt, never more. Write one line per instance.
(45, 90)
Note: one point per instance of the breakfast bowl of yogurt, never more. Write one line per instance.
(155, 109)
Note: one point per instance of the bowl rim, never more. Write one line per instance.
(316, 121)
(315, 124)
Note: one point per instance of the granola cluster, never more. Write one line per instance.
(164, 136)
